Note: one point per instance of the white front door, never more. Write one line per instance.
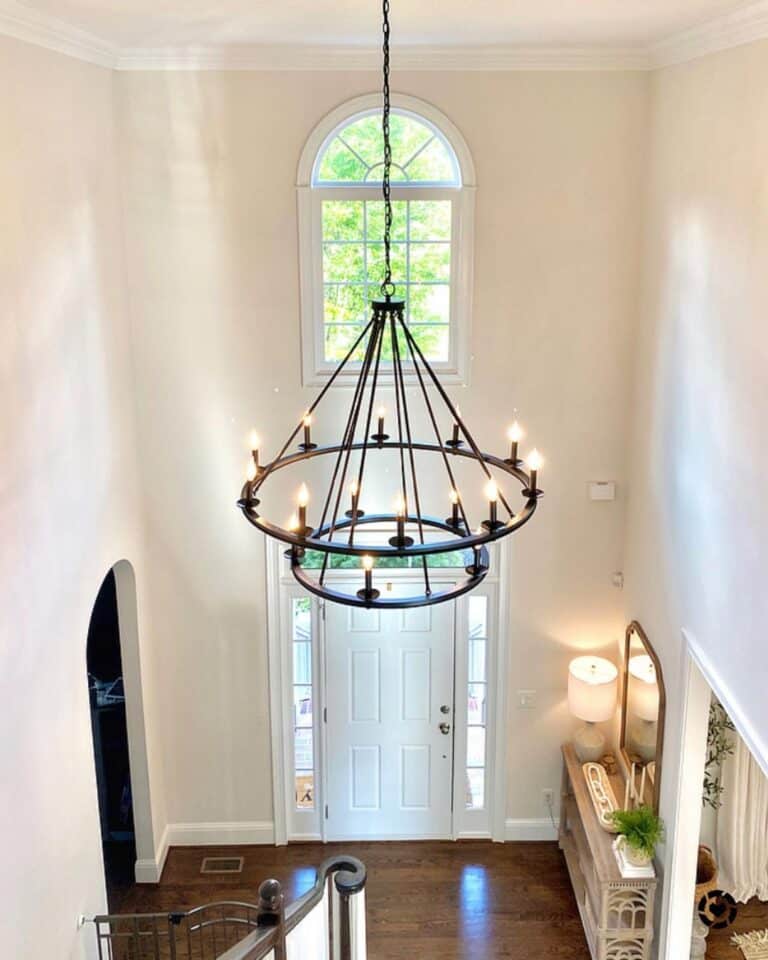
(389, 694)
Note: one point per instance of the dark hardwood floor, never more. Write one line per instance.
(432, 900)
(752, 915)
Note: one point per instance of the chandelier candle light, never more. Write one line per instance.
(334, 532)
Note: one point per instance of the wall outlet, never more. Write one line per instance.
(526, 699)
(549, 796)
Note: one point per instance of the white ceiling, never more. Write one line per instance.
(562, 23)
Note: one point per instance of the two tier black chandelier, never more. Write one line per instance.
(341, 527)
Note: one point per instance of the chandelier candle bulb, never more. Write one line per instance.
(248, 493)
(255, 443)
(303, 500)
(454, 508)
(367, 593)
(535, 463)
(455, 440)
(492, 493)
(400, 540)
(476, 565)
(354, 492)
(400, 514)
(515, 434)
(307, 421)
(368, 567)
(380, 436)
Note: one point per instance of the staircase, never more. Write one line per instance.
(326, 923)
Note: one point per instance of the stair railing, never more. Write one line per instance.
(326, 923)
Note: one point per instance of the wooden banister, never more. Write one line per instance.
(215, 926)
(349, 878)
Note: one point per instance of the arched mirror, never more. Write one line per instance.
(642, 715)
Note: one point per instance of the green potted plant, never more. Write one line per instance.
(641, 830)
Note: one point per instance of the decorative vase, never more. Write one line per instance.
(706, 873)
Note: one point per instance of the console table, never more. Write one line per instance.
(617, 913)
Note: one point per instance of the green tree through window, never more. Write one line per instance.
(424, 173)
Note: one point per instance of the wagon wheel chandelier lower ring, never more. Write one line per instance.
(367, 596)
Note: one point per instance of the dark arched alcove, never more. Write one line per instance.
(110, 741)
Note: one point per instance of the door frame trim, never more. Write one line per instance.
(278, 588)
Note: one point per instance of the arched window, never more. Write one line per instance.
(341, 221)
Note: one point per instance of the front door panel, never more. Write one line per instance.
(389, 689)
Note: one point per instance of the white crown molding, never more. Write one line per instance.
(364, 59)
(744, 25)
(24, 23)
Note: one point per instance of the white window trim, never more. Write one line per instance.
(315, 370)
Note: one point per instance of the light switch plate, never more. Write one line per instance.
(602, 490)
(526, 699)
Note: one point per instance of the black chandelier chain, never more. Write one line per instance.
(387, 287)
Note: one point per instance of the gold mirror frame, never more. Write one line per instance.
(634, 629)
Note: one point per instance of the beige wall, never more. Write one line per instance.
(696, 548)
(209, 172)
(68, 483)
(208, 167)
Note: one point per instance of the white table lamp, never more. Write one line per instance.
(592, 683)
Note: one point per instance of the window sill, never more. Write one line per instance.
(448, 377)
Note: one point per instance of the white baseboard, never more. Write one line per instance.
(202, 835)
(263, 832)
(516, 830)
(220, 834)
(150, 871)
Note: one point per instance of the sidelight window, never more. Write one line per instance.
(477, 700)
(303, 728)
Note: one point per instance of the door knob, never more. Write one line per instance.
(445, 728)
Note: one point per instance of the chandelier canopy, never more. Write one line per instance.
(407, 532)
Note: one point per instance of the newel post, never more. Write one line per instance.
(272, 913)
(349, 913)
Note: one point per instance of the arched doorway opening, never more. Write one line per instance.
(119, 745)
(106, 694)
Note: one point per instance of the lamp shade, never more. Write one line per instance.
(643, 697)
(592, 685)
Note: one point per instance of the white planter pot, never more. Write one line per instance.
(638, 858)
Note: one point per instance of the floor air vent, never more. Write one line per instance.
(222, 865)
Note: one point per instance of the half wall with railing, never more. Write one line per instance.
(326, 923)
